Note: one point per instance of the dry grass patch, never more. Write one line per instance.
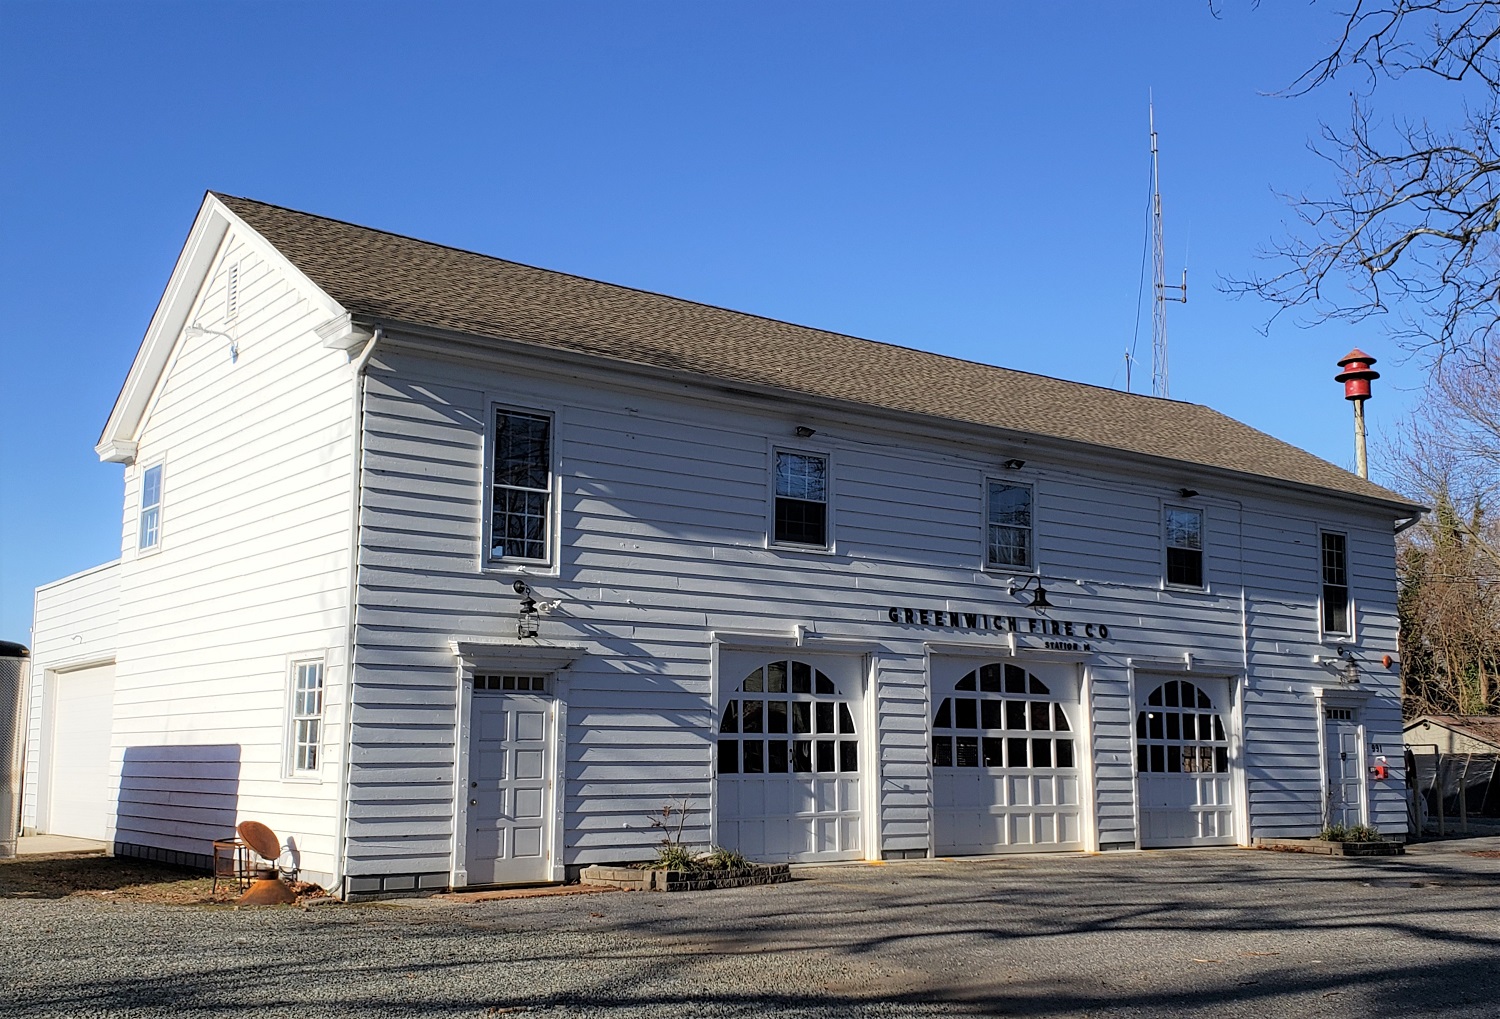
(57, 876)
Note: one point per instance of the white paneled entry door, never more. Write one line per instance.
(1007, 757)
(790, 753)
(510, 781)
(1345, 770)
(1183, 779)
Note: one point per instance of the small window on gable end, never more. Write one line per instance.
(801, 512)
(1184, 547)
(521, 497)
(1335, 548)
(1008, 538)
(305, 735)
(150, 517)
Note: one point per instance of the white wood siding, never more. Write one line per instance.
(664, 511)
(74, 625)
(251, 571)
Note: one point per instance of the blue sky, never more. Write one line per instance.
(968, 178)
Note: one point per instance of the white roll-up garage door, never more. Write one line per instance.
(78, 754)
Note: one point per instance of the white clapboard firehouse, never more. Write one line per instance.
(452, 570)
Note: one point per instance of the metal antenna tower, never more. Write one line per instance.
(1163, 292)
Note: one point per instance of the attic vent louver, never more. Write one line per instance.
(232, 292)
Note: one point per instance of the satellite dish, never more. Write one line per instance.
(261, 839)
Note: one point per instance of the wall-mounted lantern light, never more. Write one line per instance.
(526, 614)
(1038, 592)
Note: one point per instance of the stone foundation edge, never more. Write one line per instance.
(1322, 848)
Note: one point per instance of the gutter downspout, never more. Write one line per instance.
(356, 500)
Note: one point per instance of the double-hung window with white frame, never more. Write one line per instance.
(1008, 526)
(1337, 617)
(521, 487)
(305, 728)
(1184, 533)
(800, 513)
(150, 516)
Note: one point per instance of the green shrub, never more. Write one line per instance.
(673, 857)
(1350, 833)
(723, 859)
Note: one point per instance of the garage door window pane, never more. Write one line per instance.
(792, 698)
(942, 751)
(1007, 700)
(777, 760)
(1175, 734)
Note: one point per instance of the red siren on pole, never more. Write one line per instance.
(1356, 377)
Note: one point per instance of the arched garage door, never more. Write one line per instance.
(1182, 763)
(788, 758)
(1006, 761)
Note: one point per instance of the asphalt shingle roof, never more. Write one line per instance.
(389, 277)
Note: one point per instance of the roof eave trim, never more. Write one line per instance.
(117, 441)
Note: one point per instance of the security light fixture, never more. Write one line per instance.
(1187, 493)
(804, 432)
(196, 332)
(1014, 465)
(526, 613)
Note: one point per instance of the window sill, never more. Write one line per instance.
(519, 568)
(1009, 571)
(303, 779)
(786, 546)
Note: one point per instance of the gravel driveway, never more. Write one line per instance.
(1217, 933)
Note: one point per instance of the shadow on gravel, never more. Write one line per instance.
(1450, 989)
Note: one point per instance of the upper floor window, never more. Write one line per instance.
(305, 739)
(1184, 547)
(150, 530)
(1008, 538)
(1335, 583)
(801, 514)
(521, 500)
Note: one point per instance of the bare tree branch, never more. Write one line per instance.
(1412, 228)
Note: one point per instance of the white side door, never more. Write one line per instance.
(1183, 778)
(510, 772)
(78, 756)
(1346, 782)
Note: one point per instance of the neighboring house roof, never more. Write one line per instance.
(1485, 728)
(384, 277)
